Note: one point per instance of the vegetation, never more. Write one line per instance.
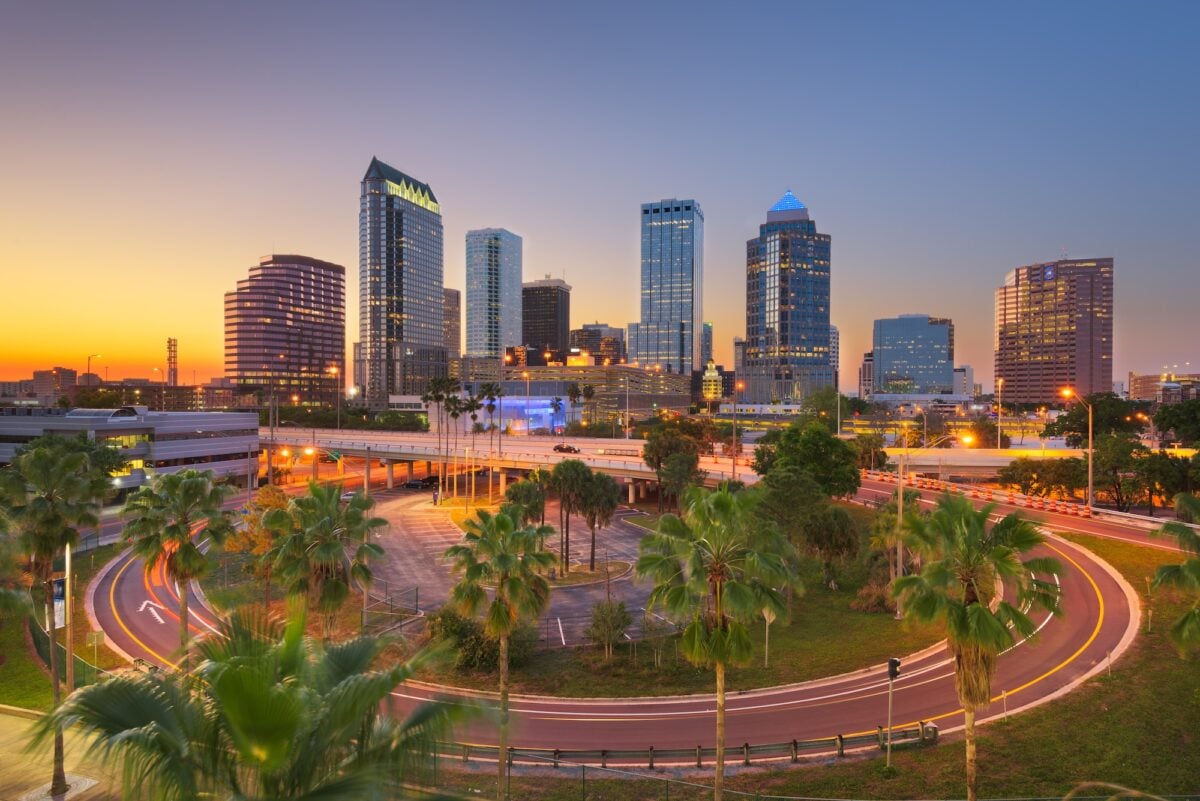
(1186, 575)
(715, 570)
(166, 517)
(570, 479)
(267, 714)
(315, 533)
(1110, 415)
(352, 418)
(473, 649)
(499, 552)
(966, 560)
(529, 496)
(610, 619)
(811, 448)
(1183, 419)
(254, 538)
(601, 497)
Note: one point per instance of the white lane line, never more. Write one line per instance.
(561, 636)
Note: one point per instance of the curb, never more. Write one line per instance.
(21, 712)
(89, 604)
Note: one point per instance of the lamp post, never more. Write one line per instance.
(999, 412)
(1068, 393)
(339, 382)
(737, 391)
(89, 362)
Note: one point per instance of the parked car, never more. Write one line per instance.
(416, 483)
(430, 481)
(563, 447)
(348, 496)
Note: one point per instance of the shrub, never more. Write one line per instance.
(473, 649)
(609, 621)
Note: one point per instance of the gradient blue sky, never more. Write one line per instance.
(150, 155)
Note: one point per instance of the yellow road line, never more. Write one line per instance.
(112, 602)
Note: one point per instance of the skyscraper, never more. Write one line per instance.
(1054, 329)
(493, 292)
(546, 315)
(452, 322)
(401, 337)
(866, 376)
(706, 345)
(668, 334)
(914, 354)
(835, 356)
(787, 306)
(285, 329)
(601, 340)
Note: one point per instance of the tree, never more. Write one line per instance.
(601, 497)
(680, 471)
(610, 619)
(1067, 477)
(1181, 418)
(830, 462)
(834, 538)
(324, 547)
(662, 443)
(1165, 475)
(1025, 474)
(588, 393)
(499, 553)
(556, 408)
(570, 479)
(791, 501)
(1116, 469)
(48, 495)
(966, 562)
(529, 496)
(984, 432)
(256, 539)
(1186, 576)
(717, 568)
(268, 714)
(574, 393)
(166, 517)
(491, 391)
(871, 455)
(1110, 415)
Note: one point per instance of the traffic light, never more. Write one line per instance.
(893, 668)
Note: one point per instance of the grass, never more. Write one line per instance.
(1138, 728)
(86, 566)
(23, 682)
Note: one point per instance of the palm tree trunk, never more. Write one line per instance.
(183, 622)
(502, 753)
(567, 544)
(719, 778)
(592, 558)
(972, 763)
(58, 780)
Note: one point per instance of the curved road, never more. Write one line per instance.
(1101, 618)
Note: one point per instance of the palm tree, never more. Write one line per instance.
(717, 568)
(454, 409)
(588, 393)
(1186, 630)
(966, 561)
(268, 714)
(530, 497)
(570, 478)
(165, 516)
(491, 391)
(556, 407)
(601, 497)
(316, 533)
(573, 395)
(496, 552)
(48, 495)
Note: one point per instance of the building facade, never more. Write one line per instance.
(494, 293)
(50, 385)
(866, 375)
(1054, 329)
(835, 355)
(672, 301)
(400, 262)
(964, 381)
(546, 315)
(706, 345)
(452, 322)
(285, 329)
(913, 355)
(787, 306)
(601, 340)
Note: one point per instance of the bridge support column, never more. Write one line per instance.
(341, 466)
(503, 482)
(641, 485)
(367, 474)
(410, 470)
(429, 468)
(391, 478)
(632, 491)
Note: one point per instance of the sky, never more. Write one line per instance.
(151, 153)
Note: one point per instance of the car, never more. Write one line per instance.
(416, 483)
(348, 496)
(430, 481)
(563, 447)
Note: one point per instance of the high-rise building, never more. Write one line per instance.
(835, 355)
(493, 292)
(452, 321)
(964, 381)
(401, 336)
(546, 315)
(601, 340)
(914, 355)
(1054, 329)
(787, 306)
(50, 385)
(668, 334)
(285, 329)
(739, 355)
(706, 344)
(866, 375)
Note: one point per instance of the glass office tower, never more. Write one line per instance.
(787, 306)
(668, 334)
(493, 292)
(914, 354)
(402, 339)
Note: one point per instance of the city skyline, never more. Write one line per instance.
(957, 190)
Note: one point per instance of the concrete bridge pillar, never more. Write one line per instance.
(503, 482)
(632, 491)
(641, 485)
(410, 470)
(391, 478)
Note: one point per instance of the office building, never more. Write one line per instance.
(401, 333)
(706, 345)
(913, 355)
(1166, 387)
(601, 340)
(452, 322)
(787, 306)
(546, 315)
(152, 442)
(739, 355)
(529, 393)
(1054, 329)
(669, 330)
(866, 376)
(494, 292)
(835, 355)
(50, 385)
(964, 381)
(285, 329)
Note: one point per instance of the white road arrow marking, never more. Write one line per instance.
(152, 608)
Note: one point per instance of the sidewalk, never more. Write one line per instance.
(21, 773)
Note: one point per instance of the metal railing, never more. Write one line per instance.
(85, 672)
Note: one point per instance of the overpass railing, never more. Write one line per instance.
(987, 494)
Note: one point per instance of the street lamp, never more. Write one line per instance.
(89, 363)
(337, 380)
(1068, 392)
(999, 411)
(737, 391)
